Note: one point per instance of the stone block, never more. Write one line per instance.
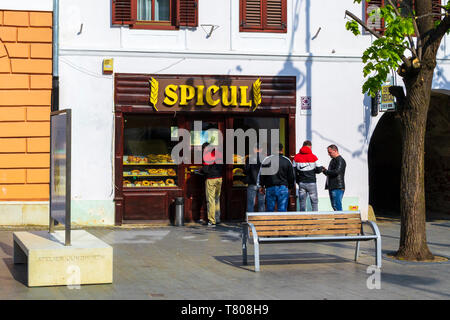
(88, 260)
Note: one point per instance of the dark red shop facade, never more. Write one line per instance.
(150, 110)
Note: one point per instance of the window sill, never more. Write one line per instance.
(241, 29)
(154, 26)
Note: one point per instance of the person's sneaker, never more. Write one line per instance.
(210, 224)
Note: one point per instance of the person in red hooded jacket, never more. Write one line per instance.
(306, 168)
(212, 169)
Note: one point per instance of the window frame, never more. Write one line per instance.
(383, 2)
(264, 28)
(176, 17)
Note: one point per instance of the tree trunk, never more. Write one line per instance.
(413, 239)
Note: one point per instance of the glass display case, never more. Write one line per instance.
(147, 161)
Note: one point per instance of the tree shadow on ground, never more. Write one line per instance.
(413, 282)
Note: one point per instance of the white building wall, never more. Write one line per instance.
(317, 49)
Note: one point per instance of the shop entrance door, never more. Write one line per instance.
(202, 130)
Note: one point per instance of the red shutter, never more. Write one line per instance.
(124, 11)
(187, 13)
(263, 15)
(376, 24)
(436, 9)
(251, 14)
(275, 14)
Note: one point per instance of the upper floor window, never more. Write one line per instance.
(153, 10)
(263, 16)
(375, 23)
(155, 14)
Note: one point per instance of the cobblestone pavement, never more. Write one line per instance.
(201, 263)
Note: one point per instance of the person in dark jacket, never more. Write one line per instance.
(306, 168)
(335, 177)
(251, 170)
(212, 169)
(277, 176)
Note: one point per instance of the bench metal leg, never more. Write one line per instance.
(244, 244)
(256, 248)
(378, 251)
(357, 251)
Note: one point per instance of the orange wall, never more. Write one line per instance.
(25, 97)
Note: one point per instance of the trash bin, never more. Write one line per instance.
(179, 211)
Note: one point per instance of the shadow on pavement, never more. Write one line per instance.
(18, 271)
(281, 259)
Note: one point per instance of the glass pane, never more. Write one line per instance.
(258, 123)
(162, 10)
(144, 12)
(209, 133)
(147, 148)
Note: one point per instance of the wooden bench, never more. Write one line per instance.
(276, 227)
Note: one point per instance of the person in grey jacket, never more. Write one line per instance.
(335, 177)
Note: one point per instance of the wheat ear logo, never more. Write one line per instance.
(256, 93)
(154, 88)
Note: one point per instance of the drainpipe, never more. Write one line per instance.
(55, 78)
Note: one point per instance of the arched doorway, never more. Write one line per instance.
(385, 161)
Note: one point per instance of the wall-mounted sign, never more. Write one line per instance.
(387, 100)
(194, 93)
(305, 106)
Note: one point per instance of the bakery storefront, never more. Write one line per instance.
(150, 113)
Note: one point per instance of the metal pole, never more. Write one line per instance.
(55, 78)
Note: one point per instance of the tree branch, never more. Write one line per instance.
(362, 24)
(441, 29)
(417, 53)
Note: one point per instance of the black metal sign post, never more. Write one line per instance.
(60, 170)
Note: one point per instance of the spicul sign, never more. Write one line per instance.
(211, 95)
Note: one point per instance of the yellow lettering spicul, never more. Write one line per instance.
(226, 99)
(244, 100)
(187, 93)
(171, 95)
(209, 96)
(200, 95)
(230, 96)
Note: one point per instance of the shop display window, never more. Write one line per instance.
(256, 123)
(147, 147)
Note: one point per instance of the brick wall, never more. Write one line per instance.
(25, 96)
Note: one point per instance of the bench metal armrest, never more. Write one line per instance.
(250, 225)
(373, 226)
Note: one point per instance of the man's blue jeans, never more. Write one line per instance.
(336, 196)
(277, 195)
(252, 191)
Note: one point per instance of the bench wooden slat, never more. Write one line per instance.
(307, 232)
(309, 227)
(305, 222)
(303, 217)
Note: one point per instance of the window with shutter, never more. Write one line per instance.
(375, 23)
(155, 14)
(373, 20)
(123, 12)
(188, 13)
(263, 16)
